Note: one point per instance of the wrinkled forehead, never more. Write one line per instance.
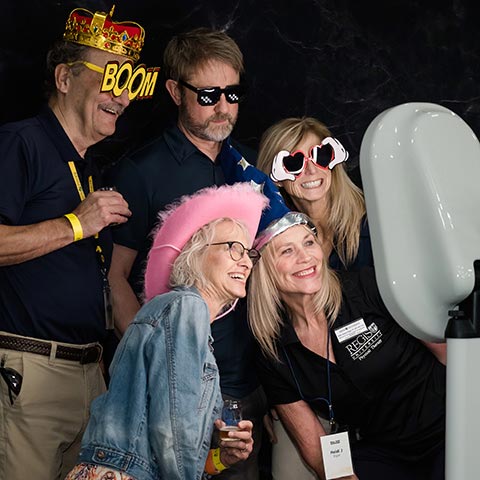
(309, 140)
(292, 234)
(233, 229)
(101, 58)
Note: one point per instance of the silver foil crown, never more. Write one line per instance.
(278, 226)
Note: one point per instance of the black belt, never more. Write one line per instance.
(83, 355)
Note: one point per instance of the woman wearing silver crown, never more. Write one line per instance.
(330, 349)
(308, 165)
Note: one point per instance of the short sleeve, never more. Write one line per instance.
(14, 179)
(128, 180)
(276, 380)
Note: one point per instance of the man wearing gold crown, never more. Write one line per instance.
(54, 292)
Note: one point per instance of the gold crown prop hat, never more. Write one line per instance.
(98, 30)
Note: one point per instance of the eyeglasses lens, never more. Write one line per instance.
(254, 255)
(294, 163)
(211, 96)
(322, 155)
(208, 97)
(236, 251)
(234, 94)
(122, 81)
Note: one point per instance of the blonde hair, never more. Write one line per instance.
(345, 200)
(188, 268)
(265, 307)
(189, 51)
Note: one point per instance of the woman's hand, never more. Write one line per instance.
(240, 445)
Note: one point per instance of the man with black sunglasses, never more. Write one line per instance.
(203, 69)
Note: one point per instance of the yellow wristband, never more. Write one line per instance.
(216, 460)
(76, 226)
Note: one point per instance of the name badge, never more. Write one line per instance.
(337, 459)
(350, 330)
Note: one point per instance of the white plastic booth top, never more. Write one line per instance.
(420, 167)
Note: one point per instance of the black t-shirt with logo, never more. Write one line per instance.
(385, 382)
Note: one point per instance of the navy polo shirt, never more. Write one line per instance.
(152, 178)
(57, 296)
(385, 382)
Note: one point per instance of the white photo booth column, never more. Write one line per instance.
(420, 166)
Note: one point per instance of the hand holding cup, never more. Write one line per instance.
(231, 415)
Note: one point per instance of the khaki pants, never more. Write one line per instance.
(40, 434)
(287, 463)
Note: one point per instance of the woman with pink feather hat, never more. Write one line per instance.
(157, 418)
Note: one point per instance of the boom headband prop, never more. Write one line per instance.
(139, 81)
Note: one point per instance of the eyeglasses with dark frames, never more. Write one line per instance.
(237, 251)
(12, 378)
(207, 97)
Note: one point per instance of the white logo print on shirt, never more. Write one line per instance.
(362, 346)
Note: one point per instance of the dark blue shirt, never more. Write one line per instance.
(152, 178)
(364, 256)
(57, 296)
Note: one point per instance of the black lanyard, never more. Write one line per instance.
(107, 297)
(328, 401)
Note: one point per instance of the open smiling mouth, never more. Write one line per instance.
(238, 276)
(313, 184)
(305, 272)
(111, 110)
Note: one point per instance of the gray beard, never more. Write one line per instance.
(206, 131)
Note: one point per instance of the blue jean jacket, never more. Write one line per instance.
(156, 419)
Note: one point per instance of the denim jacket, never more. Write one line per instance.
(156, 419)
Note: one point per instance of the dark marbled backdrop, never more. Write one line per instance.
(342, 61)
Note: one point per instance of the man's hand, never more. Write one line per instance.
(100, 209)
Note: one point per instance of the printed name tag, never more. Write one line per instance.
(351, 330)
(337, 459)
